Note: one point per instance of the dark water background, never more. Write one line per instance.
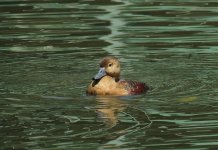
(49, 51)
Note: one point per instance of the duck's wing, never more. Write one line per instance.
(134, 87)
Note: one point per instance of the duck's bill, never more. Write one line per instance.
(101, 73)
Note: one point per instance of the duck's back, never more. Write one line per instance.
(134, 87)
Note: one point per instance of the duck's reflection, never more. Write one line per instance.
(108, 109)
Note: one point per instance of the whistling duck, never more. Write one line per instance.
(107, 81)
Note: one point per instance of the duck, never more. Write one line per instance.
(107, 81)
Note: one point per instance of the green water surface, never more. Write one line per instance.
(50, 49)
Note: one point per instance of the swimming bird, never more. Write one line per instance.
(107, 81)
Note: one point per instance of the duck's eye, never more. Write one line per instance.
(110, 65)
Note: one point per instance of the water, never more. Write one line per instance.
(50, 50)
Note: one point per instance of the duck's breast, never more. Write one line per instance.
(105, 86)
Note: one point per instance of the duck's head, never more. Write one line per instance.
(108, 66)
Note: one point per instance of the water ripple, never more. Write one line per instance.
(51, 49)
